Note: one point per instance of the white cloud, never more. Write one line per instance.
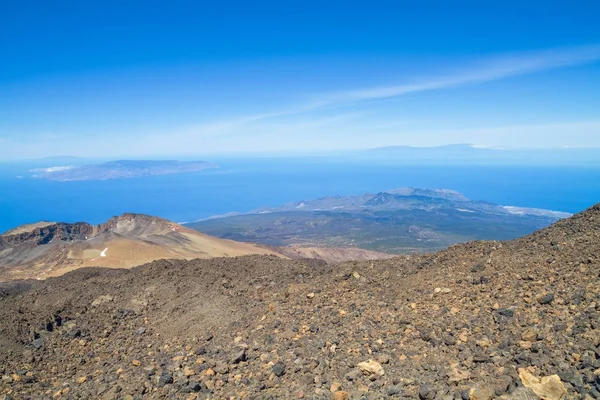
(487, 70)
(484, 71)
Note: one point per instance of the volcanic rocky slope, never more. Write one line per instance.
(481, 320)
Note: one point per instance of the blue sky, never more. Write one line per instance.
(195, 77)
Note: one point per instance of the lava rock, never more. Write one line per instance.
(279, 369)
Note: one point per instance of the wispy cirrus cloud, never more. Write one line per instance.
(482, 71)
(479, 71)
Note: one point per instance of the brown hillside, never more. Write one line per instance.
(482, 320)
(43, 250)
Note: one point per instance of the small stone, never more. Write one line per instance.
(353, 375)
(189, 372)
(481, 392)
(427, 392)
(140, 331)
(546, 299)
(371, 367)
(383, 359)
(136, 363)
(37, 343)
(221, 368)
(529, 335)
(395, 390)
(455, 375)
(194, 387)
(341, 395)
(81, 380)
(449, 340)
(506, 312)
(165, 378)
(310, 295)
(239, 356)
(279, 369)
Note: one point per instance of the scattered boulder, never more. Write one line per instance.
(371, 367)
(547, 388)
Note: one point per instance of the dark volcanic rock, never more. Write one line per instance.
(279, 369)
(165, 378)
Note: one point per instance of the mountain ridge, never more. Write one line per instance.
(48, 249)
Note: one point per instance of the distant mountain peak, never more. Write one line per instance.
(435, 193)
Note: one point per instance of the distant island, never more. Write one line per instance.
(122, 169)
(470, 154)
(399, 221)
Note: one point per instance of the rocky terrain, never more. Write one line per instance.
(399, 221)
(481, 320)
(122, 169)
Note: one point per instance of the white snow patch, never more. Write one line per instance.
(103, 254)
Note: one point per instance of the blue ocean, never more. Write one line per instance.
(245, 184)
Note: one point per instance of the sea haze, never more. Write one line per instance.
(242, 185)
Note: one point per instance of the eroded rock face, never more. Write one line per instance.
(38, 236)
(246, 328)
